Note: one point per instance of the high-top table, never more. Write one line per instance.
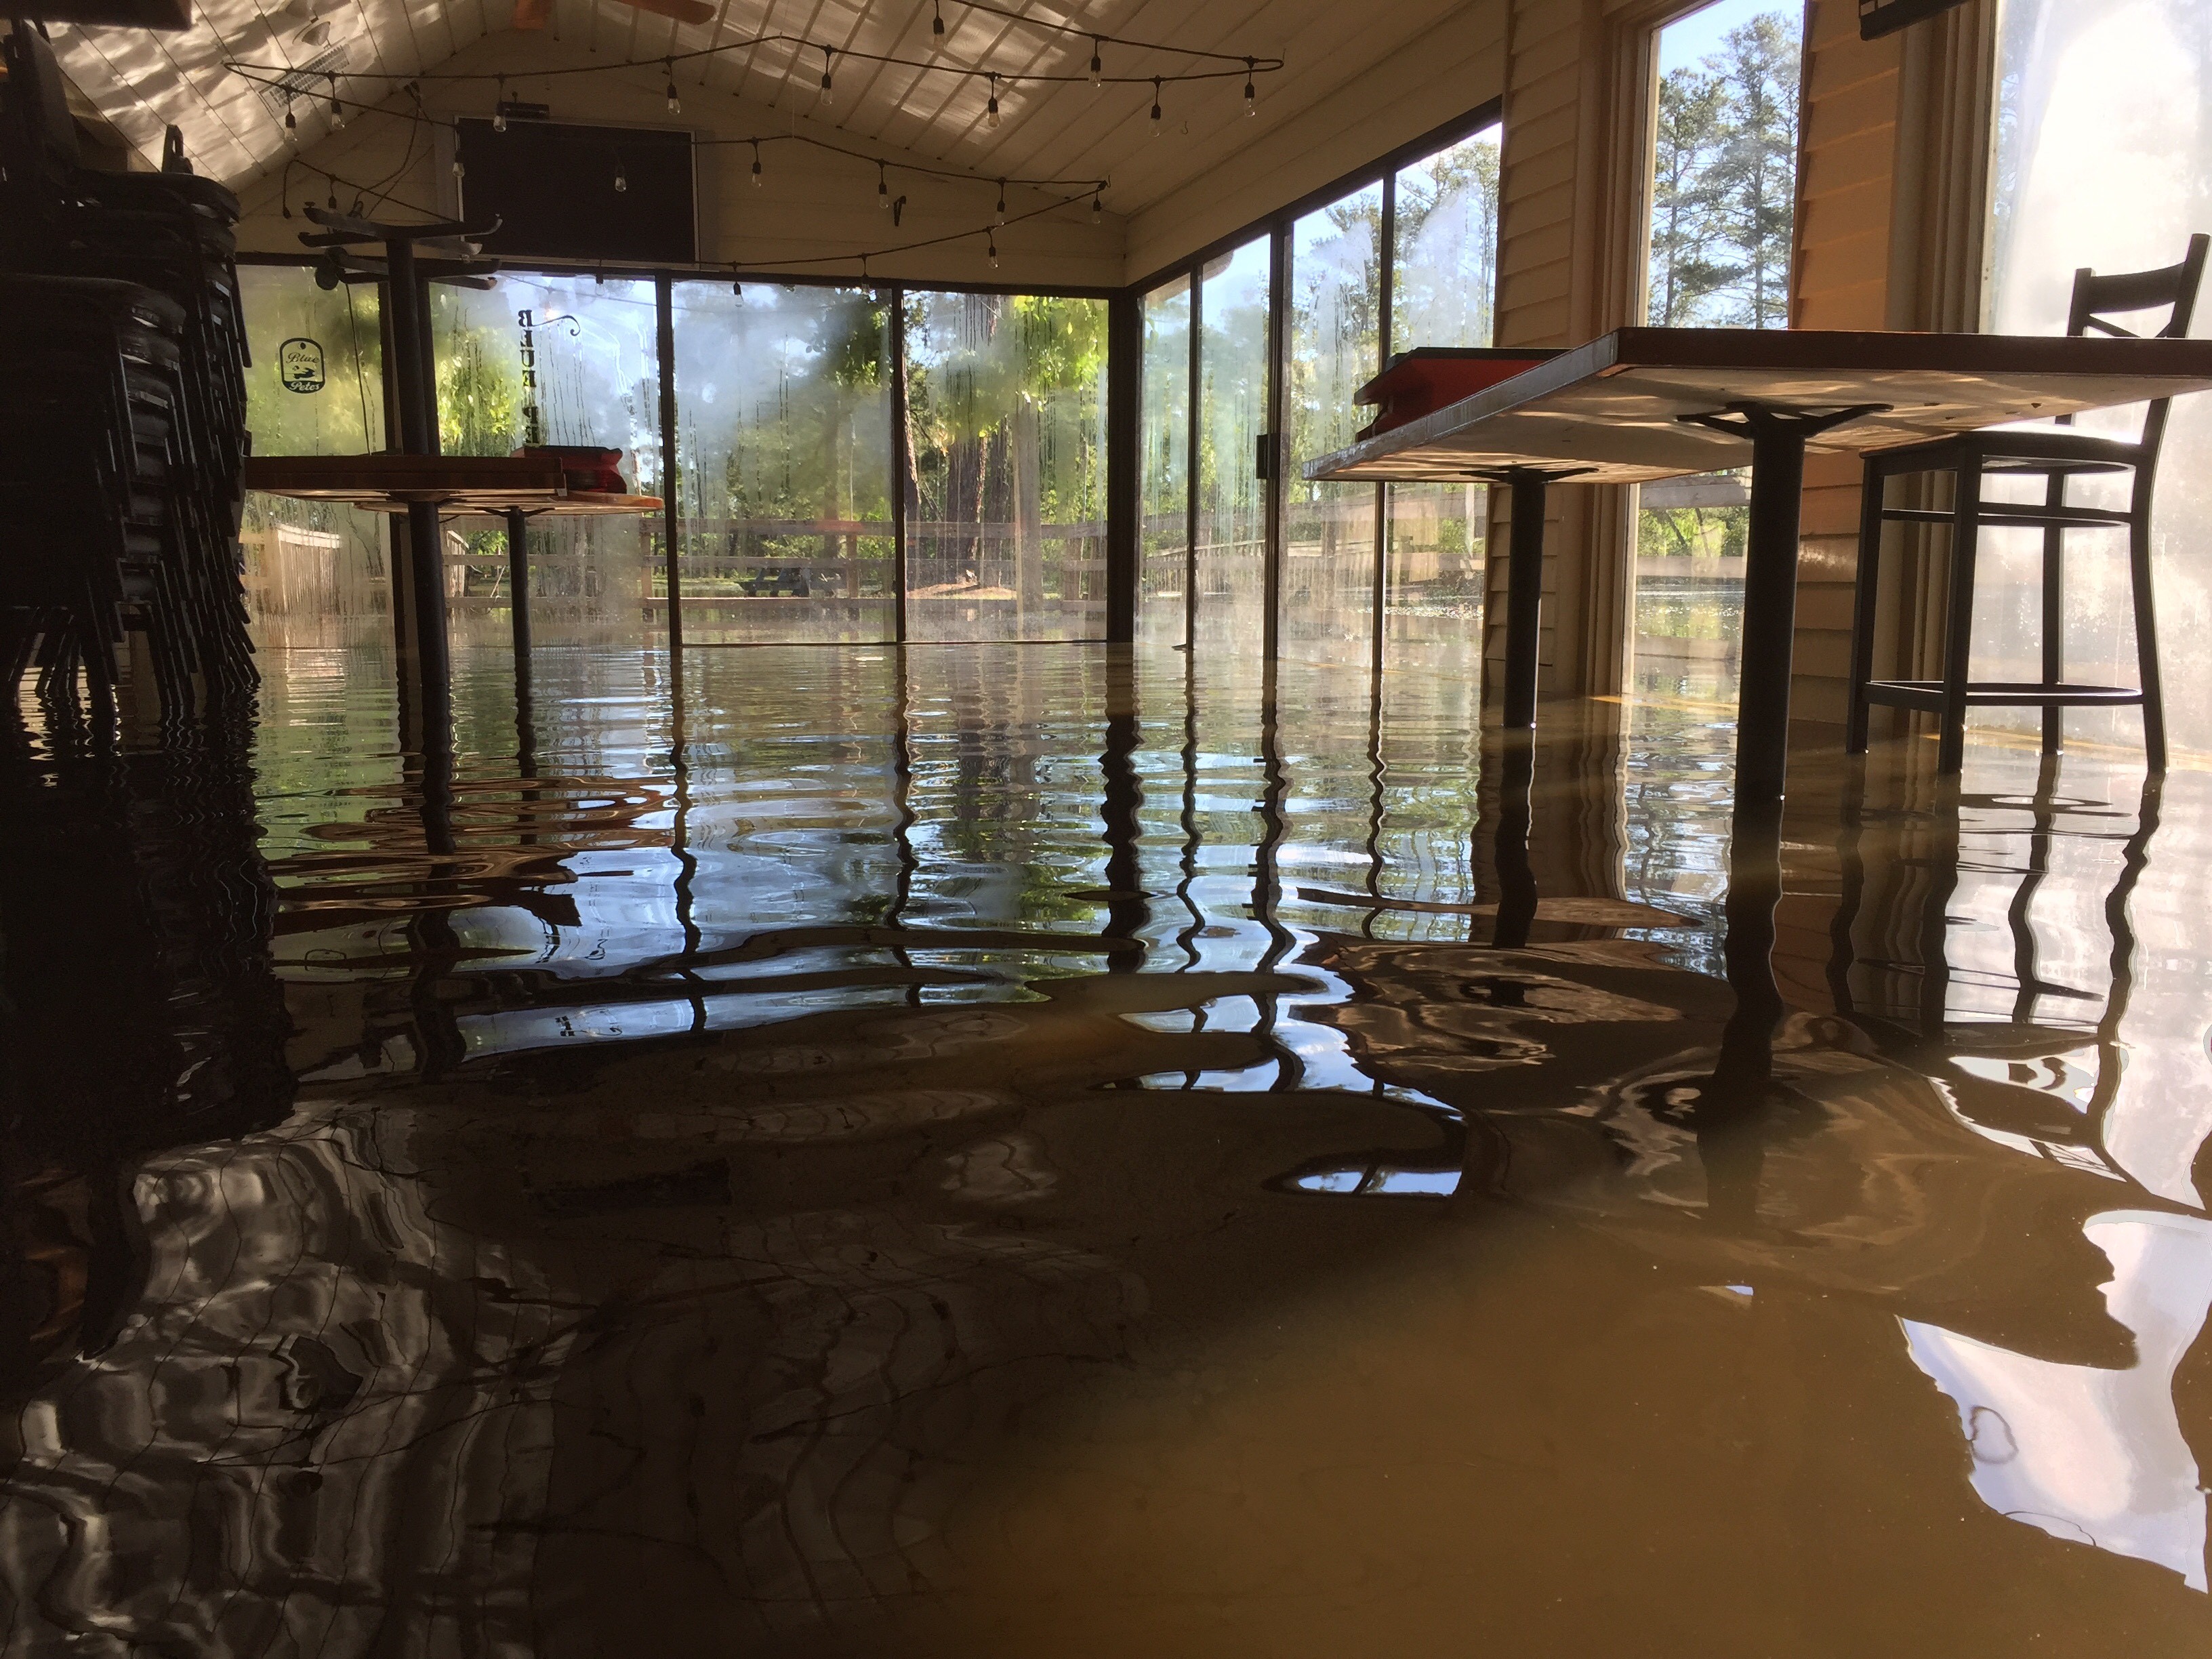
(514, 488)
(1644, 404)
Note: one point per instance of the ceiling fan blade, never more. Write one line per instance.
(683, 11)
(532, 14)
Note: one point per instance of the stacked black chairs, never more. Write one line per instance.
(122, 420)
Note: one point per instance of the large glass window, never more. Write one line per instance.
(1232, 505)
(1724, 194)
(1444, 241)
(539, 359)
(1005, 487)
(784, 463)
(2104, 159)
(1163, 479)
(314, 571)
(1335, 346)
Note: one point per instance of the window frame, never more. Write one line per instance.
(1276, 225)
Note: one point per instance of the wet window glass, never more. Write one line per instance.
(1335, 347)
(783, 398)
(1232, 414)
(1163, 458)
(1006, 489)
(1444, 239)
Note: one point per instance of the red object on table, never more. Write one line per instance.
(1429, 378)
(587, 466)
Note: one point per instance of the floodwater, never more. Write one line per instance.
(1026, 1151)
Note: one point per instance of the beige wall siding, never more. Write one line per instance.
(1846, 188)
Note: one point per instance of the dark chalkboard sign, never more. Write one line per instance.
(1880, 17)
(566, 191)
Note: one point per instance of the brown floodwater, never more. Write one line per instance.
(994, 1151)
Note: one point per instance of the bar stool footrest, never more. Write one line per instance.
(2001, 694)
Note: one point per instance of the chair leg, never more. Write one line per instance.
(2054, 615)
(1863, 609)
(2154, 705)
(1958, 619)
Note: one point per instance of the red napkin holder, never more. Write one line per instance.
(1429, 378)
(585, 466)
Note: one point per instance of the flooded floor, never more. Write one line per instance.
(1027, 1151)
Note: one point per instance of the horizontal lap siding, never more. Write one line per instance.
(1840, 280)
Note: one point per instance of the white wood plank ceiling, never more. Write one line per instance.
(144, 83)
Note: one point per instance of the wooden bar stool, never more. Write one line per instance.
(2054, 456)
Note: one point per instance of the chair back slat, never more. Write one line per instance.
(2174, 286)
(2096, 297)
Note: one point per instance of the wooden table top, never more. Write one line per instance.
(456, 484)
(1615, 406)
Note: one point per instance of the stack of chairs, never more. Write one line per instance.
(122, 421)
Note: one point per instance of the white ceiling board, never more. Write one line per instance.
(143, 81)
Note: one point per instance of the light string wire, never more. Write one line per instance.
(1233, 64)
(921, 168)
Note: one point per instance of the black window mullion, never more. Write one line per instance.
(1190, 465)
(901, 464)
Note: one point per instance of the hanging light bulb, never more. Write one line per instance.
(1156, 107)
(736, 289)
(1251, 96)
(756, 166)
(994, 246)
(499, 108)
(1002, 201)
(459, 171)
(937, 23)
(674, 104)
(1097, 205)
(828, 59)
(1098, 68)
(291, 121)
(621, 179)
(991, 109)
(333, 203)
(882, 188)
(338, 110)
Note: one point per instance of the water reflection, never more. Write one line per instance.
(955, 1148)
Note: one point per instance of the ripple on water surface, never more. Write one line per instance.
(1007, 1150)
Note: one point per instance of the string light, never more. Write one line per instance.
(993, 244)
(338, 110)
(459, 171)
(1097, 67)
(1002, 201)
(291, 121)
(1251, 94)
(828, 59)
(621, 179)
(1156, 107)
(937, 23)
(499, 106)
(1098, 206)
(757, 165)
(991, 109)
(674, 104)
(882, 188)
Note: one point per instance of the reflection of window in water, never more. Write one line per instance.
(1379, 1180)
(2087, 1454)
